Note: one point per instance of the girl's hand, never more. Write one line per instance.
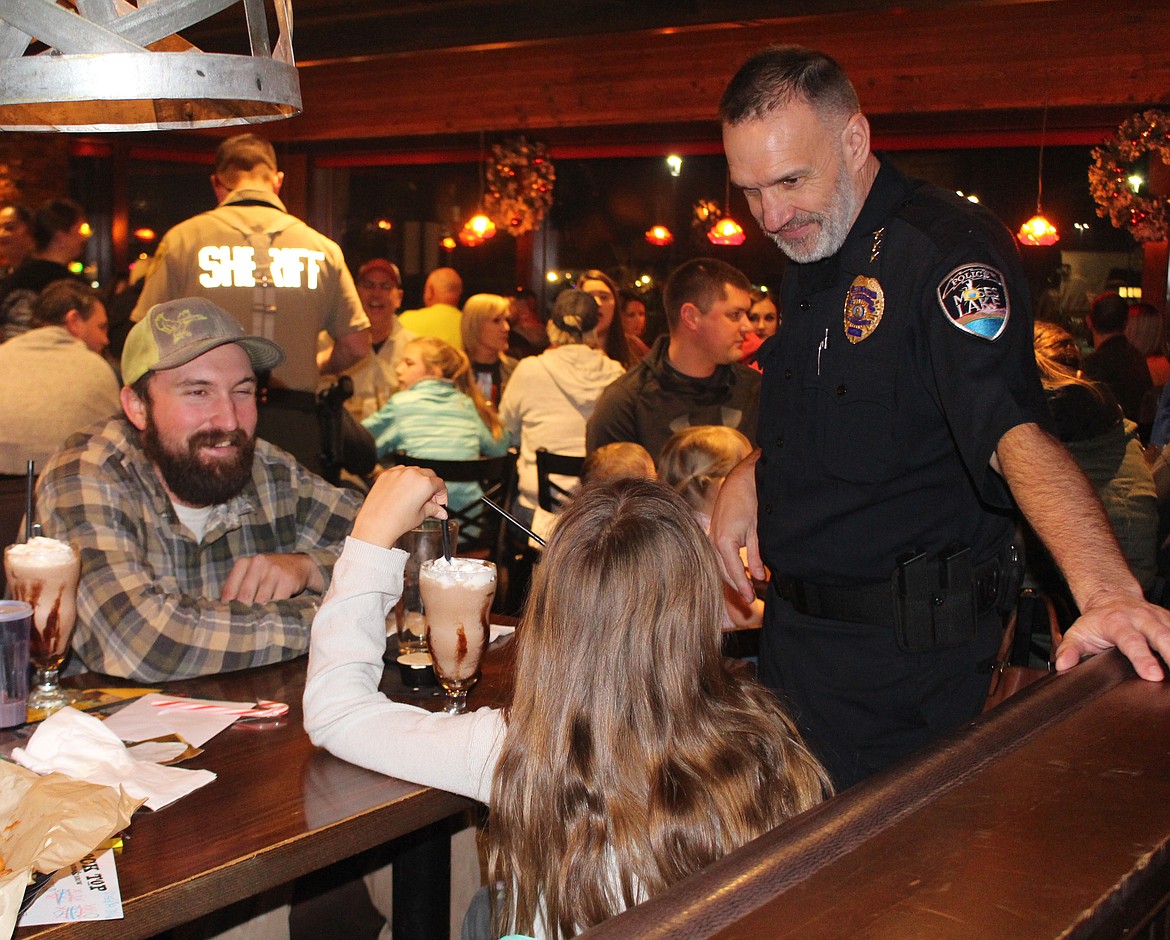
(401, 498)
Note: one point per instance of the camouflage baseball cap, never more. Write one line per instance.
(173, 333)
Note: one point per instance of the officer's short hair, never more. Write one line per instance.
(1109, 313)
(56, 215)
(702, 282)
(776, 76)
(243, 154)
(58, 298)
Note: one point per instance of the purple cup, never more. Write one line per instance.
(15, 624)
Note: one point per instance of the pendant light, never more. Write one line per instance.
(100, 71)
(726, 231)
(1038, 231)
(659, 235)
(479, 228)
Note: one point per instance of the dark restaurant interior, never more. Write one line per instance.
(1046, 817)
(403, 103)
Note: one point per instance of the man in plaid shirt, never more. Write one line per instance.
(203, 549)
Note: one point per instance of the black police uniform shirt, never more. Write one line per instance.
(902, 361)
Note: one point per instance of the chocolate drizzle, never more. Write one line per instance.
(43, 642)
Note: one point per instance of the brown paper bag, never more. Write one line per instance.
(47, 823)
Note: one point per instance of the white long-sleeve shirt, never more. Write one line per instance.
(346, 714)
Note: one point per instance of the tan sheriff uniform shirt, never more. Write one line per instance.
(214, 254)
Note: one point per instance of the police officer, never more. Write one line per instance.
(901, 413)
(276, 275)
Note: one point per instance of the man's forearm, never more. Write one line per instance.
(1064, 510)
(347, 350)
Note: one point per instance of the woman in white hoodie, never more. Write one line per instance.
(550, 397)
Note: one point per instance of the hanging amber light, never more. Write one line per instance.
(660, 235)
(1038, 231)
(726, 232)
(476, 230)
(448, 243)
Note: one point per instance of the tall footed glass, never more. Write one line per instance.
(44, 572)
(457, 599)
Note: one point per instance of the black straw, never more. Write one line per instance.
(446, 530)
(28, 501)
(516, 522)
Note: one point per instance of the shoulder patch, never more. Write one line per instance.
(974, 298)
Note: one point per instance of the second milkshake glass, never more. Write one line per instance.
(457, 597)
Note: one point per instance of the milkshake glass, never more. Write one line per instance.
(423, 543)
(457, 596)
(44, 572)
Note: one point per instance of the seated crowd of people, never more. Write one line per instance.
(206, 548)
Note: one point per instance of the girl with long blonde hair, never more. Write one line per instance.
(630, 756)
(1105, 445)
(438, 413)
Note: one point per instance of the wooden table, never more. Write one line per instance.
(279, 809)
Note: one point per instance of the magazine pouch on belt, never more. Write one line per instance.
(934, 602)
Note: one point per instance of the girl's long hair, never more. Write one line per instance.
(615, 346)
(454, 366)
(697, 458)
(633, 757)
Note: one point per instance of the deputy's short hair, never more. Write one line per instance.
(242, 154)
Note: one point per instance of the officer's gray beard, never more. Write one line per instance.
(832, 226)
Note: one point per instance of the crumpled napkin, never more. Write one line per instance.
(80, 746)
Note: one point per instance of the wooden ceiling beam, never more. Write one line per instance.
(1090, 62)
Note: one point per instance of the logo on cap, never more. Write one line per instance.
(177, 328)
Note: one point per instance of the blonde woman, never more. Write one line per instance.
(486, 333)
(1105, 445)
(629, 758)
(438, 413)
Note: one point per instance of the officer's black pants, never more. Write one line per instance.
(860, 702)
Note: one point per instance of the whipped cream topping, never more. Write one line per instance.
(42, 550)
(463, 572)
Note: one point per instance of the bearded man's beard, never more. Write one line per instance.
(193, 479)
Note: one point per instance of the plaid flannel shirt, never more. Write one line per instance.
(148, 603)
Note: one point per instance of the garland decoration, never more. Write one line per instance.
(520, 179)
(706, 213)
(1146, 218)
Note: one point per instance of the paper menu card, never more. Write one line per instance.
(87, 890)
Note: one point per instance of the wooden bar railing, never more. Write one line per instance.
(1049, 817)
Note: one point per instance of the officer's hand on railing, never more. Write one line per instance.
(1119, 619)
